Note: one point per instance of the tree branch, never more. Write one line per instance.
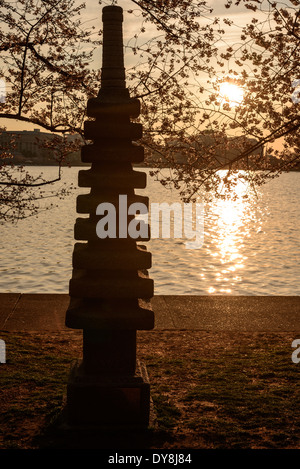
(156, 19)
(51, 128)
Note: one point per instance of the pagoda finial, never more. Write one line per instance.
(113, 70)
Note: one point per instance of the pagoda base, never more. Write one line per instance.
(101, 401)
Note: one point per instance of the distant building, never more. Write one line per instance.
(29, 147)
(222, 152)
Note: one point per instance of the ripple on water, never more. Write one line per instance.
(251, 247)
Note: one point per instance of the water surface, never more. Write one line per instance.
(251, 247)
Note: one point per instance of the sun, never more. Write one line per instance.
(231, 93)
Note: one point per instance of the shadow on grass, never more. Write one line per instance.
(58, 435)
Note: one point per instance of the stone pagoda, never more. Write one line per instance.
(110, 290)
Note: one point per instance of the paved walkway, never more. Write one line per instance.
(46, 312)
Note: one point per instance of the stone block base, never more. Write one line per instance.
(108, 401)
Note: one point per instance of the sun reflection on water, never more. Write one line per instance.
(227, 229)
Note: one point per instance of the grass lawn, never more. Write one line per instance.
(210, 390)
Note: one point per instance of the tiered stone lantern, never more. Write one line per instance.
(110, 290)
